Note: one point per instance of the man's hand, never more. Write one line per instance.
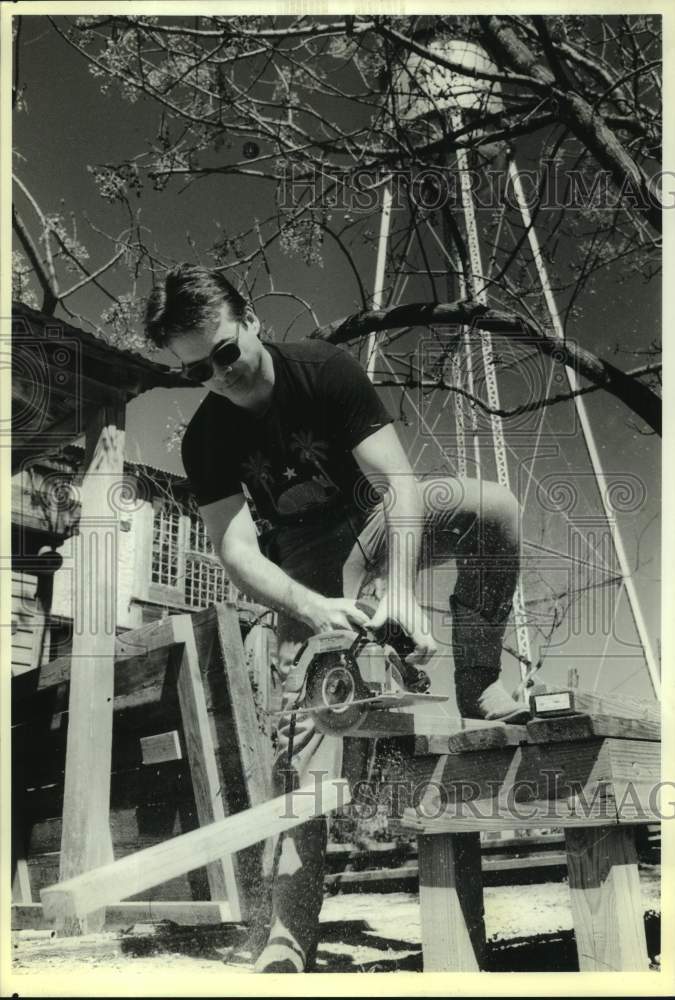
(405, 610)
(325, 613)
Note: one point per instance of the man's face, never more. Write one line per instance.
(234, 381)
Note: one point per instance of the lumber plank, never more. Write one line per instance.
(451, 902)
(538, 815)
(201, 757)
(21, 887)
(410, 870)
(44, 872)
(258, 654)
(587, 727)
(599, 781)
(254, 752)
(421, 723)
(338, 879)
(636, 772)
(85, 839)
(123, 915)
(155, 637)
(243, 751)
(605, 898)
(146, 638)
(21, 891)
(160, 747)
(76, 897)
(487, 737)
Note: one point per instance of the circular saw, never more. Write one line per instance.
(348, 674)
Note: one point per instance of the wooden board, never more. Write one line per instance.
(451, 901)
(606, 901)
(75, 898)
(160, 748)
(410, 870)
(599, 781)
(85, 840)
(201, 756)
(587, 727)
(242, 748)
(190, 886)
(487, 737)
(125, 915)
(430, 729)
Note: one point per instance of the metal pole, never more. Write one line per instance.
(631, 593)
(519, 613)
(380, 269)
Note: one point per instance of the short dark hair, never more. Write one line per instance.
(190, 298)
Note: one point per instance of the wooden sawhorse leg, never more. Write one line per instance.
(605, 896)
(451, 902)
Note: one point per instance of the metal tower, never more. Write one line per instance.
(442, 246)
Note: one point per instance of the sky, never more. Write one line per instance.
(69, 124)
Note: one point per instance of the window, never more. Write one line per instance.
(205, 579)
(205, 583)
(166, 529)
(199, 540)
(184, 560)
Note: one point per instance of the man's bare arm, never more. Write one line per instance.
(382, 458)
(234, 538)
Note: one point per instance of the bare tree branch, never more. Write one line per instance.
(637, 396)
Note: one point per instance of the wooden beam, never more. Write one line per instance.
(75, 898)
(124, 915)
(243, 751)
(258, 656)
(586, 727)
(606, 902)
(451, 901)
(161, 747)
(200, 750)
(85, 841)
(21, 891)
(132, 646)
(583, 783)
(489, 737)
(419, 721)
(254, 752)
(21, 888)
(410, 870)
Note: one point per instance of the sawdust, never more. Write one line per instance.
(529, 927)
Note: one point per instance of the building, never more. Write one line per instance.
(165, 563)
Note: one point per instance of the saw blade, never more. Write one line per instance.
(332, 689)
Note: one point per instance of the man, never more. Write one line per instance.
(302, 427)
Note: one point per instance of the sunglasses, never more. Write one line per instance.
(222, 355)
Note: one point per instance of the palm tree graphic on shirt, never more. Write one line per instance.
(259, 470)
(313, 452)
(302, 495)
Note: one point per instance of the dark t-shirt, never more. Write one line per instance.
(295, 459)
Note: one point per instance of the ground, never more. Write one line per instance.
(528, 927)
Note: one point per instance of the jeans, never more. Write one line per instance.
(474, 522)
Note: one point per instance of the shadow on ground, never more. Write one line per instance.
(550, 952)
(223, 943)
(219, 942)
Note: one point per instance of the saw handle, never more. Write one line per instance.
(394, 635)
